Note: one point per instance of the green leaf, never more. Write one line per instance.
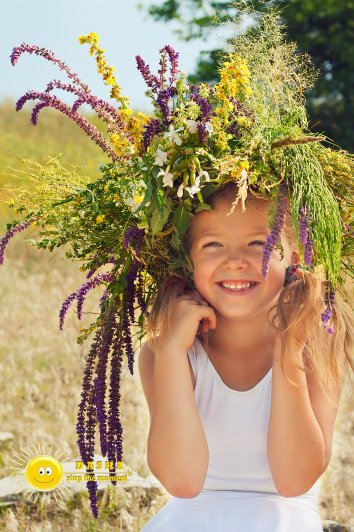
(181, 218)
(147, 196)
(158, 219)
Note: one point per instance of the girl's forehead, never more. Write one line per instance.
(255, 215)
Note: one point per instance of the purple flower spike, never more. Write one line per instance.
(80, 295)
(173, 57)
(5, 239)
(308, 255)
(65, 308)
(103, 298)
(151, 81)
(273, 238)
(205, 107)
(203, 134)
(327, 314)
(49, 55)
(162, 101)
(86, 287)
(303, 227)
(152, 128)
(111, 260)
(100, 380)
(133, 232)
(52, 101)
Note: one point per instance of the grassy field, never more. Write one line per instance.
(41, 367)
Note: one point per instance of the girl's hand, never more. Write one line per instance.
(190, 311)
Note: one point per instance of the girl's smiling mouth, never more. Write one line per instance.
(237, 291)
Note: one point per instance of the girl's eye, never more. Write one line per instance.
(208, 244)
(254, 242)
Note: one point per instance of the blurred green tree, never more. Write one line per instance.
(322, 28)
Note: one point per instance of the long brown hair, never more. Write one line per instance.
(300, 301)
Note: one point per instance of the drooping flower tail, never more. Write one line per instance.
(81, 426)
(80, 295)
(329, 302)
(10, 233)
(273, 238)
(115, 429)
(100, 380)
(52, 101)
(49, 55)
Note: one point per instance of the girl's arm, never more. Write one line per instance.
(300, 428)
(177, 451)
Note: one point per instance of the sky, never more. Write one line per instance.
(124, 30)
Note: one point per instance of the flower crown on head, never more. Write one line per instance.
(250, 128)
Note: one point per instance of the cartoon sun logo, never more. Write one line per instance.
(42, 471)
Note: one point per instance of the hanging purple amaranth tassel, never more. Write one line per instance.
(130, 293)
(90, 285)
(273, 238)
(308, 255)
(90, 451)
(103, 298)
(305, 239)
(327, 314)
(81, 426)
(303, 230)
(80, 295)
(115, 429)
(7, 237)
(100, 380)
(111, 260)
(139, 292)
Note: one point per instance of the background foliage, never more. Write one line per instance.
(322, 28)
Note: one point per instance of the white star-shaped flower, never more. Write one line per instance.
(180, 190)
(204, 173)
(195, 188)
(192, 126)
(161, 157)
(173, 136)
(209, 127)
(167, 179)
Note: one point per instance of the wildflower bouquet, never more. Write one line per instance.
(251, 128)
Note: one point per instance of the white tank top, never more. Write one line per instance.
(236, 425)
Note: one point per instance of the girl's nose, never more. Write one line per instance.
(235, 260)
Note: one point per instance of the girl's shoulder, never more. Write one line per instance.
(146, 365)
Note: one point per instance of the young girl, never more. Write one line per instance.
(238, 445)
(241, 379)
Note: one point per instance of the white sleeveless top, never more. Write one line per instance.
(236, 426)
(238, 493)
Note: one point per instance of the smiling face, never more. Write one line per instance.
(230, 248)
(44, 473)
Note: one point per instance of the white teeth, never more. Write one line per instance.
(236, 286)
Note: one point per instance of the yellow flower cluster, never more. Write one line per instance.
(233, 167)
(100, 218)
(121, 144)
(103, 68)
(234, 79)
